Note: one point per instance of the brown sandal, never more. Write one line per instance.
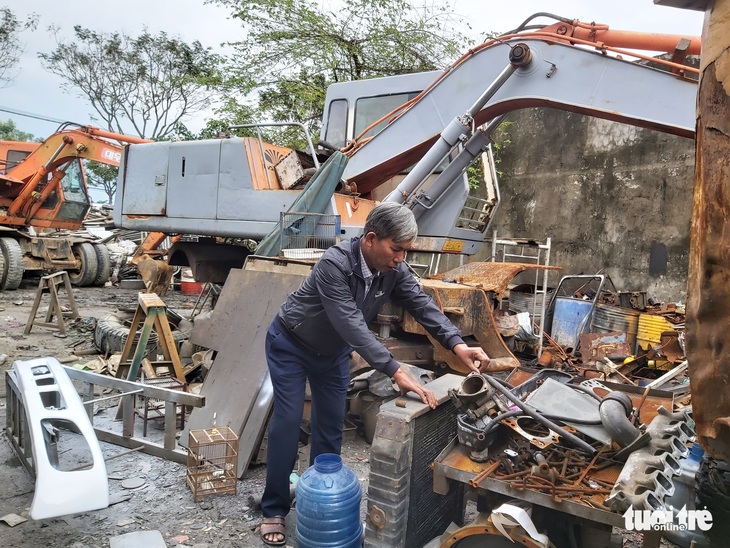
(274, 525)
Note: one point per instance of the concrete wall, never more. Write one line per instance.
(613, 198)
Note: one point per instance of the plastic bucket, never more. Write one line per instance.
(191, 288)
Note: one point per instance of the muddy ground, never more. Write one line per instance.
(163, 502)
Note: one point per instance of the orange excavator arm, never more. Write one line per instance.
(24, 184)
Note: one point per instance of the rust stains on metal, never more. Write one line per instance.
(708, 283)
(490, 276)
(597, 346)
(470, 311)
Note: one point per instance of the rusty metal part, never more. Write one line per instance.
(586, 469)
(671, 347)
(539, 483)
(545, 359)
(377, 517)
(536, 440)
(155, 273)
(708, 280)
(513, 475)
(482, 527)
(594, 347)
(488, 471)
(490, 276)
(559, 350)
(564, 468)
(477, 322)
(539, 418)
(637, 413)
(543, 469)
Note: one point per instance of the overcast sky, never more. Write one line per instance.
(35, 91)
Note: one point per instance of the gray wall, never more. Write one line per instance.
(613, 198)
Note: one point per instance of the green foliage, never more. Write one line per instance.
(9, 132)
(475, 171)
(10, 45)
(294, 49)
(102, 177)
(474, 174)
(149, 82)
(500, 141)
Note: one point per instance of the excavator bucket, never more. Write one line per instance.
(156, 274)
(469, 309)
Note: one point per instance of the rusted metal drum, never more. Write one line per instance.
(569, 318)
(527, 301)
(609, 319)
(650, 331)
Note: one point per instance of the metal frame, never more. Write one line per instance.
(279, 124)
(17, 430)
(129, 390)
(519, 249)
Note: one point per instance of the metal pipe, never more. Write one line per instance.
(539, 418)
(473, 148)
(616, 422)
(97, 400)
(458, 130)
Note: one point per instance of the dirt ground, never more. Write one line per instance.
(163, 502)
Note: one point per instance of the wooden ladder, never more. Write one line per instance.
(152, 314)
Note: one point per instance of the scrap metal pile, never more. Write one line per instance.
(596, 443)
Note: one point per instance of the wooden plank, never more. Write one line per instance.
(149, 300)
(248, 303)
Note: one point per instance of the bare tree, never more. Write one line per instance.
(149, 83)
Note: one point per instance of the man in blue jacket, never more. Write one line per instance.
(317, 328)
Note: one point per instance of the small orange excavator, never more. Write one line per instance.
(42, 187)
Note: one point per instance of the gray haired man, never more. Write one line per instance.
(318, 327)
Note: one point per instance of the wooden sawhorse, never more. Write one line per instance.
(152, 309)
(50, 284)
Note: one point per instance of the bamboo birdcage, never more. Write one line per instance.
(212, 461)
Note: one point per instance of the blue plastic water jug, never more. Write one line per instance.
(328, 505)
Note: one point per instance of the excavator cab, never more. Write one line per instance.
(74, 194)
(67, 204)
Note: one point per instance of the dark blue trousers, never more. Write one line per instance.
(290, 366)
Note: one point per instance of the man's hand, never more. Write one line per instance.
(407, 383)
(473, 357)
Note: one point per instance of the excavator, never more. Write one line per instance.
(417, 155)
(43, 186)
(242, 185)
